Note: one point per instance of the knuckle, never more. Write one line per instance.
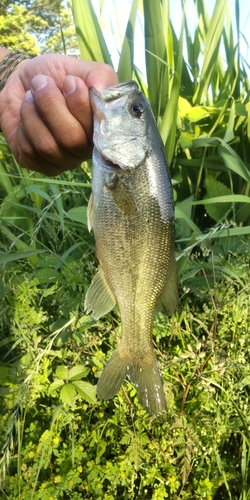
(74, 138)
(46, 146)
(25, 149)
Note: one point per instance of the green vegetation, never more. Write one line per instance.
(36, 26)
(57, 441)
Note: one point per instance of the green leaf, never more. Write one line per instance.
(169, 120)
(91, 41)
(10, 257)
(243, 382)
(184, 106)
(78, 214)
(57, 384)
(197, 113)
(230, 157)
(126, 61)
(59, 203)
(233, 162)
(86, 390)
(181, 214)
(78, 372)
(68, 394)
(38, 191)
(186, 140)
(62, 372)
(212, 40)
(232, 198)
(215, 188)
(229, 135)
(155, 48)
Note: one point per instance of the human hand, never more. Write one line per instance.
(45, 112)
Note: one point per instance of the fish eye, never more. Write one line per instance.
(136, 109)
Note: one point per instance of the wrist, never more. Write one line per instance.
(9, 63)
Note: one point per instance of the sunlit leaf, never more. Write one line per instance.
(62, 372)
(232, 198)
(126, 61)
(197, 113)
(68, 394)
(211, 48)
(57, 384)
(78, 372)
(157, 74)
(86, 390)
(91, 41)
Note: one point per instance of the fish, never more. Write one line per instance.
(131, 212)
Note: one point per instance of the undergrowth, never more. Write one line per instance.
(59, 442)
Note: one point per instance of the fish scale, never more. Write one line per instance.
(132, 214)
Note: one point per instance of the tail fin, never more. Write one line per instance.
(142, 370)
(112, 376)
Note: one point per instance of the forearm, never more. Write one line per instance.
(3, 53)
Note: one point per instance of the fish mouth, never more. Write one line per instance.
(108, 164)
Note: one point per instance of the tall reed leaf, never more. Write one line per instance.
(91, 41)
(126, 61)
(168, 126)
(211, 50)
(157, 74)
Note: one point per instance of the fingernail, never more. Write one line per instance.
(28, 96)
(39, 82)
(69, 85)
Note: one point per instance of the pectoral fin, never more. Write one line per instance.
(168, 300)
(121, 196)
(99, 298)
(90, 213)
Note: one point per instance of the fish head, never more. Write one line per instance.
(121, 120)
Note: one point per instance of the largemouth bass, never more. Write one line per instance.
(131, 211)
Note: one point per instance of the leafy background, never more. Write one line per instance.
(57, 440)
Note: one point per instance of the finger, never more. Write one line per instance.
(76, 94)
(100, 76)
(44, 143)
(28, 157)
(94, 74)
(35, 140)
(52, 108)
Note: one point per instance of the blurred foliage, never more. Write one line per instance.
(34, 26)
